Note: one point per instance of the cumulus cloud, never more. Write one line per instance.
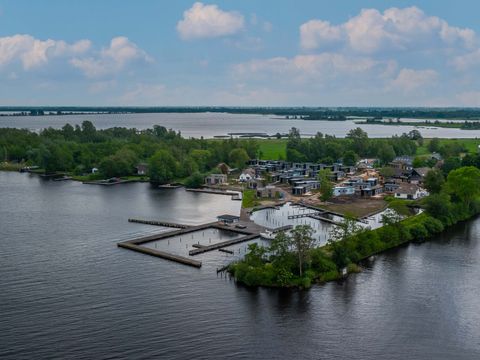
(307, 68)
(112, 59)
(395, 29)
(467, 61)
(32, 52)
(410, 80)
(208, 21)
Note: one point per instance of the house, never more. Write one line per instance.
(254, 184)
(343, 190)
(269, 191)
(418, 174)
(94, 170)
(228, 219)
(246, 175)
(366, 163)
(142, 169)
(224, 168)
(370, 191)
(402, 162)
(390, 187)
(216, 179)
(409, 191)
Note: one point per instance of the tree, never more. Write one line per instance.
(359, 140)
(238, 158)
(450, 164)
(350, 158)
(438, 206)
(434, 181)
(464, 184)
(326, 186)
(386, 153)
(194, 181)
(162, 167)
(434, 145)
(302, 242)
(347, 228)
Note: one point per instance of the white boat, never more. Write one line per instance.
(267, 234)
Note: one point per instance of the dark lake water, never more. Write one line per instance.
(67, 291)
(213, 124)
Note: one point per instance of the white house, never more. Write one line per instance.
(409, 191)
(247, 175)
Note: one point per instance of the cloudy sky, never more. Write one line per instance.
(244, 52)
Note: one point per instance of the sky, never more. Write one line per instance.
(240, 53)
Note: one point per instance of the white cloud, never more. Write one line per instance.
(305, 68)
(112, 59)
(467, 61)
(208, 21)
(32, 52)
(395, 29)
(409, 80)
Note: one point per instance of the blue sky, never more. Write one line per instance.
(245, 52)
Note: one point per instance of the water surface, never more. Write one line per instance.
(68, 292)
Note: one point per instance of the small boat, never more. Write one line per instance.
(267, 234)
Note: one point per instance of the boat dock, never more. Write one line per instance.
(217, 246)
(159, 223)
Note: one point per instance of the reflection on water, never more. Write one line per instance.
(294, 215)
(67, 290)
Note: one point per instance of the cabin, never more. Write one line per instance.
(418, 175)
(228, 219)
(216, 179)
(409, 191)
(269, 191)
(247, 175)
(142, 169)
(343, 190)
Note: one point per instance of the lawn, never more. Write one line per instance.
(273, 149)
(470, 144)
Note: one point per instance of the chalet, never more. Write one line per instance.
(228, 219)
(305, 186)
(418, 175)
(216, 179)
(390, 187)
(247, 174)
(402, 162)
(142, 169)
(343, 190)
(409, 191)
(370, 191)
(254, 184)
(269, 191)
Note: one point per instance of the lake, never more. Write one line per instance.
(209, 125)
(67, 290)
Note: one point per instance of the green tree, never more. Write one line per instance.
(326, 186)
(464, 184)
(350, 158)
(434, 181)
(162, 167)
(302, 242)
(238, 158)
(434, 145)
(194, 181)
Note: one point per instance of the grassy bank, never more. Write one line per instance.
(291, 262)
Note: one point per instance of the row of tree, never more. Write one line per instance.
(117, 151)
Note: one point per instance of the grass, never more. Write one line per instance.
(273, 149)
(6, 166)
(470, 144)
(249, 199)
(355, 207)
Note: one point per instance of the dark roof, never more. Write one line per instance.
(228, 217)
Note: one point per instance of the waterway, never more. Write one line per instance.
(209, 125)
(67, 290)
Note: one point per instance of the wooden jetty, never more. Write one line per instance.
(297, 216)
(222, 244)
(159, 223)
(160, 254)
(321, 218)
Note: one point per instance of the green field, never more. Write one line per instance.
(470, 144)
(273, 149)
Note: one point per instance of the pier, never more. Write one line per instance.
(159, 223)
(203, 249)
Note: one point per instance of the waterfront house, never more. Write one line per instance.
(269, 191)
(418, 175)
(228, 219)
(343, 190)
(142, 169)
(216, 179)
